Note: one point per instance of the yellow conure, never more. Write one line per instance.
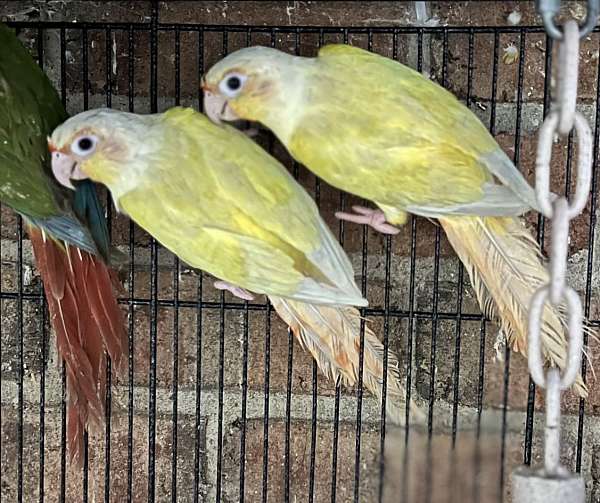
(222, 204)
(378, 129)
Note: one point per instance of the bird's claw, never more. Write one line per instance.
(367, 216)
(235, 290)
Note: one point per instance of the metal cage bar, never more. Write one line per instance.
(409, 316)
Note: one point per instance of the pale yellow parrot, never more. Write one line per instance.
(222, 204)
(378, 129)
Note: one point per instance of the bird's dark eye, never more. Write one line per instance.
(231, 85)
(234, 83)
(85, 144)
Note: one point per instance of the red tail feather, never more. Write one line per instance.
(88, 324)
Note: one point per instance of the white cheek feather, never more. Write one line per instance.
(291, 96)
(142, 162)
(131, 175)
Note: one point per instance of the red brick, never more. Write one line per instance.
(121, 11)
(305, 13)
(300, 447)
(579, 228)
(451, 472)
(9, 223)
(96, 472)
(436, 470)
(33, 359)
(492, 14)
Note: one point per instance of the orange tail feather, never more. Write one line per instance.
(88, 324)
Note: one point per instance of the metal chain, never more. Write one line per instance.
(548, 9)
(562, 119)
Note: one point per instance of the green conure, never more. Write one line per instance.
(69, 237)
(376, 128)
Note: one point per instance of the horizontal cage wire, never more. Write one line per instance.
(219, 402)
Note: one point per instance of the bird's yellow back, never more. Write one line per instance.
(407, 141)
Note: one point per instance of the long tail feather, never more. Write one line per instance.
(505, 266)
(88, 324)
(332, 335)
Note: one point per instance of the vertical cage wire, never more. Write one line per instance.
(413, 317)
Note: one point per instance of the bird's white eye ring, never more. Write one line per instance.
(84, 145)
(231, 85)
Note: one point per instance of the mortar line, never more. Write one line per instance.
(576, 273)
(211, 435)
(300, 410)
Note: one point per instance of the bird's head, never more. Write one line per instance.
(247, 84)
(92, 144)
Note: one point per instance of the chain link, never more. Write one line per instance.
(568, 56)
(584, 161)
(548, 9)
(562, 119)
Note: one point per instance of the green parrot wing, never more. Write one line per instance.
(29, 110)
(430, 154)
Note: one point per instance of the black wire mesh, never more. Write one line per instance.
(197, 441)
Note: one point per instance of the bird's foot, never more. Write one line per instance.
(235, 290)
(367, 216)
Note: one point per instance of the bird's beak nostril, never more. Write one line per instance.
(65, 169)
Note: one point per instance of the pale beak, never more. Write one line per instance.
(217, 108)
(65, 169)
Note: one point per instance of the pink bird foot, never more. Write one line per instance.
(235, 290)
(367, 216)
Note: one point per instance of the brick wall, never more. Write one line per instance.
(197, 430)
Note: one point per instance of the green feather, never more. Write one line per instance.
(30, 109)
